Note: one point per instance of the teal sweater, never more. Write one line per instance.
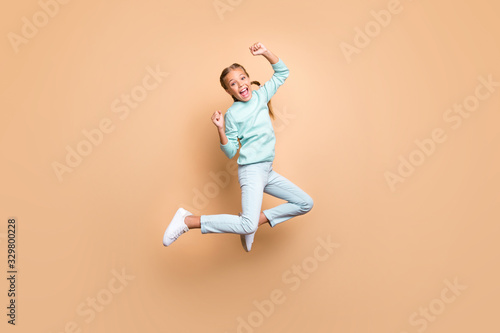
(251, 124)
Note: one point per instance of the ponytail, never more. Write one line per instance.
(271, 113)
(233, 67)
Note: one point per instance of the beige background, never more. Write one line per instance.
(346, 125)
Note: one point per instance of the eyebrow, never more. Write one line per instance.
(242, 74)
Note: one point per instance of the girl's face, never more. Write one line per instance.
(238, 85)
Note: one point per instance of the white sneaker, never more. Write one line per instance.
(247, 241)
(176, 227)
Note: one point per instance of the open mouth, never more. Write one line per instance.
(244, 92)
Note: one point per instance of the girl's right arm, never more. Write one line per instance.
(218, 121)
(228, 137)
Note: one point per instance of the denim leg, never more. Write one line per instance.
(253, 178)
(299, 202)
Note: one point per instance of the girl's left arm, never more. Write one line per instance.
(260, 49)
(280, 70)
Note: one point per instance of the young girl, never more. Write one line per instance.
(249, 121)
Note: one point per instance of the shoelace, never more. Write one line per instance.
(179, 232)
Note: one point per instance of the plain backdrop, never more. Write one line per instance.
(411, 217)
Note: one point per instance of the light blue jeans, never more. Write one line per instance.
(255, 180)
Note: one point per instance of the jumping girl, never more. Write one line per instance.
(249, 121)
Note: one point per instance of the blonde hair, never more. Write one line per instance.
(236, 66)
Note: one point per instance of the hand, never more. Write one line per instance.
(258, 49)
(218, 119)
